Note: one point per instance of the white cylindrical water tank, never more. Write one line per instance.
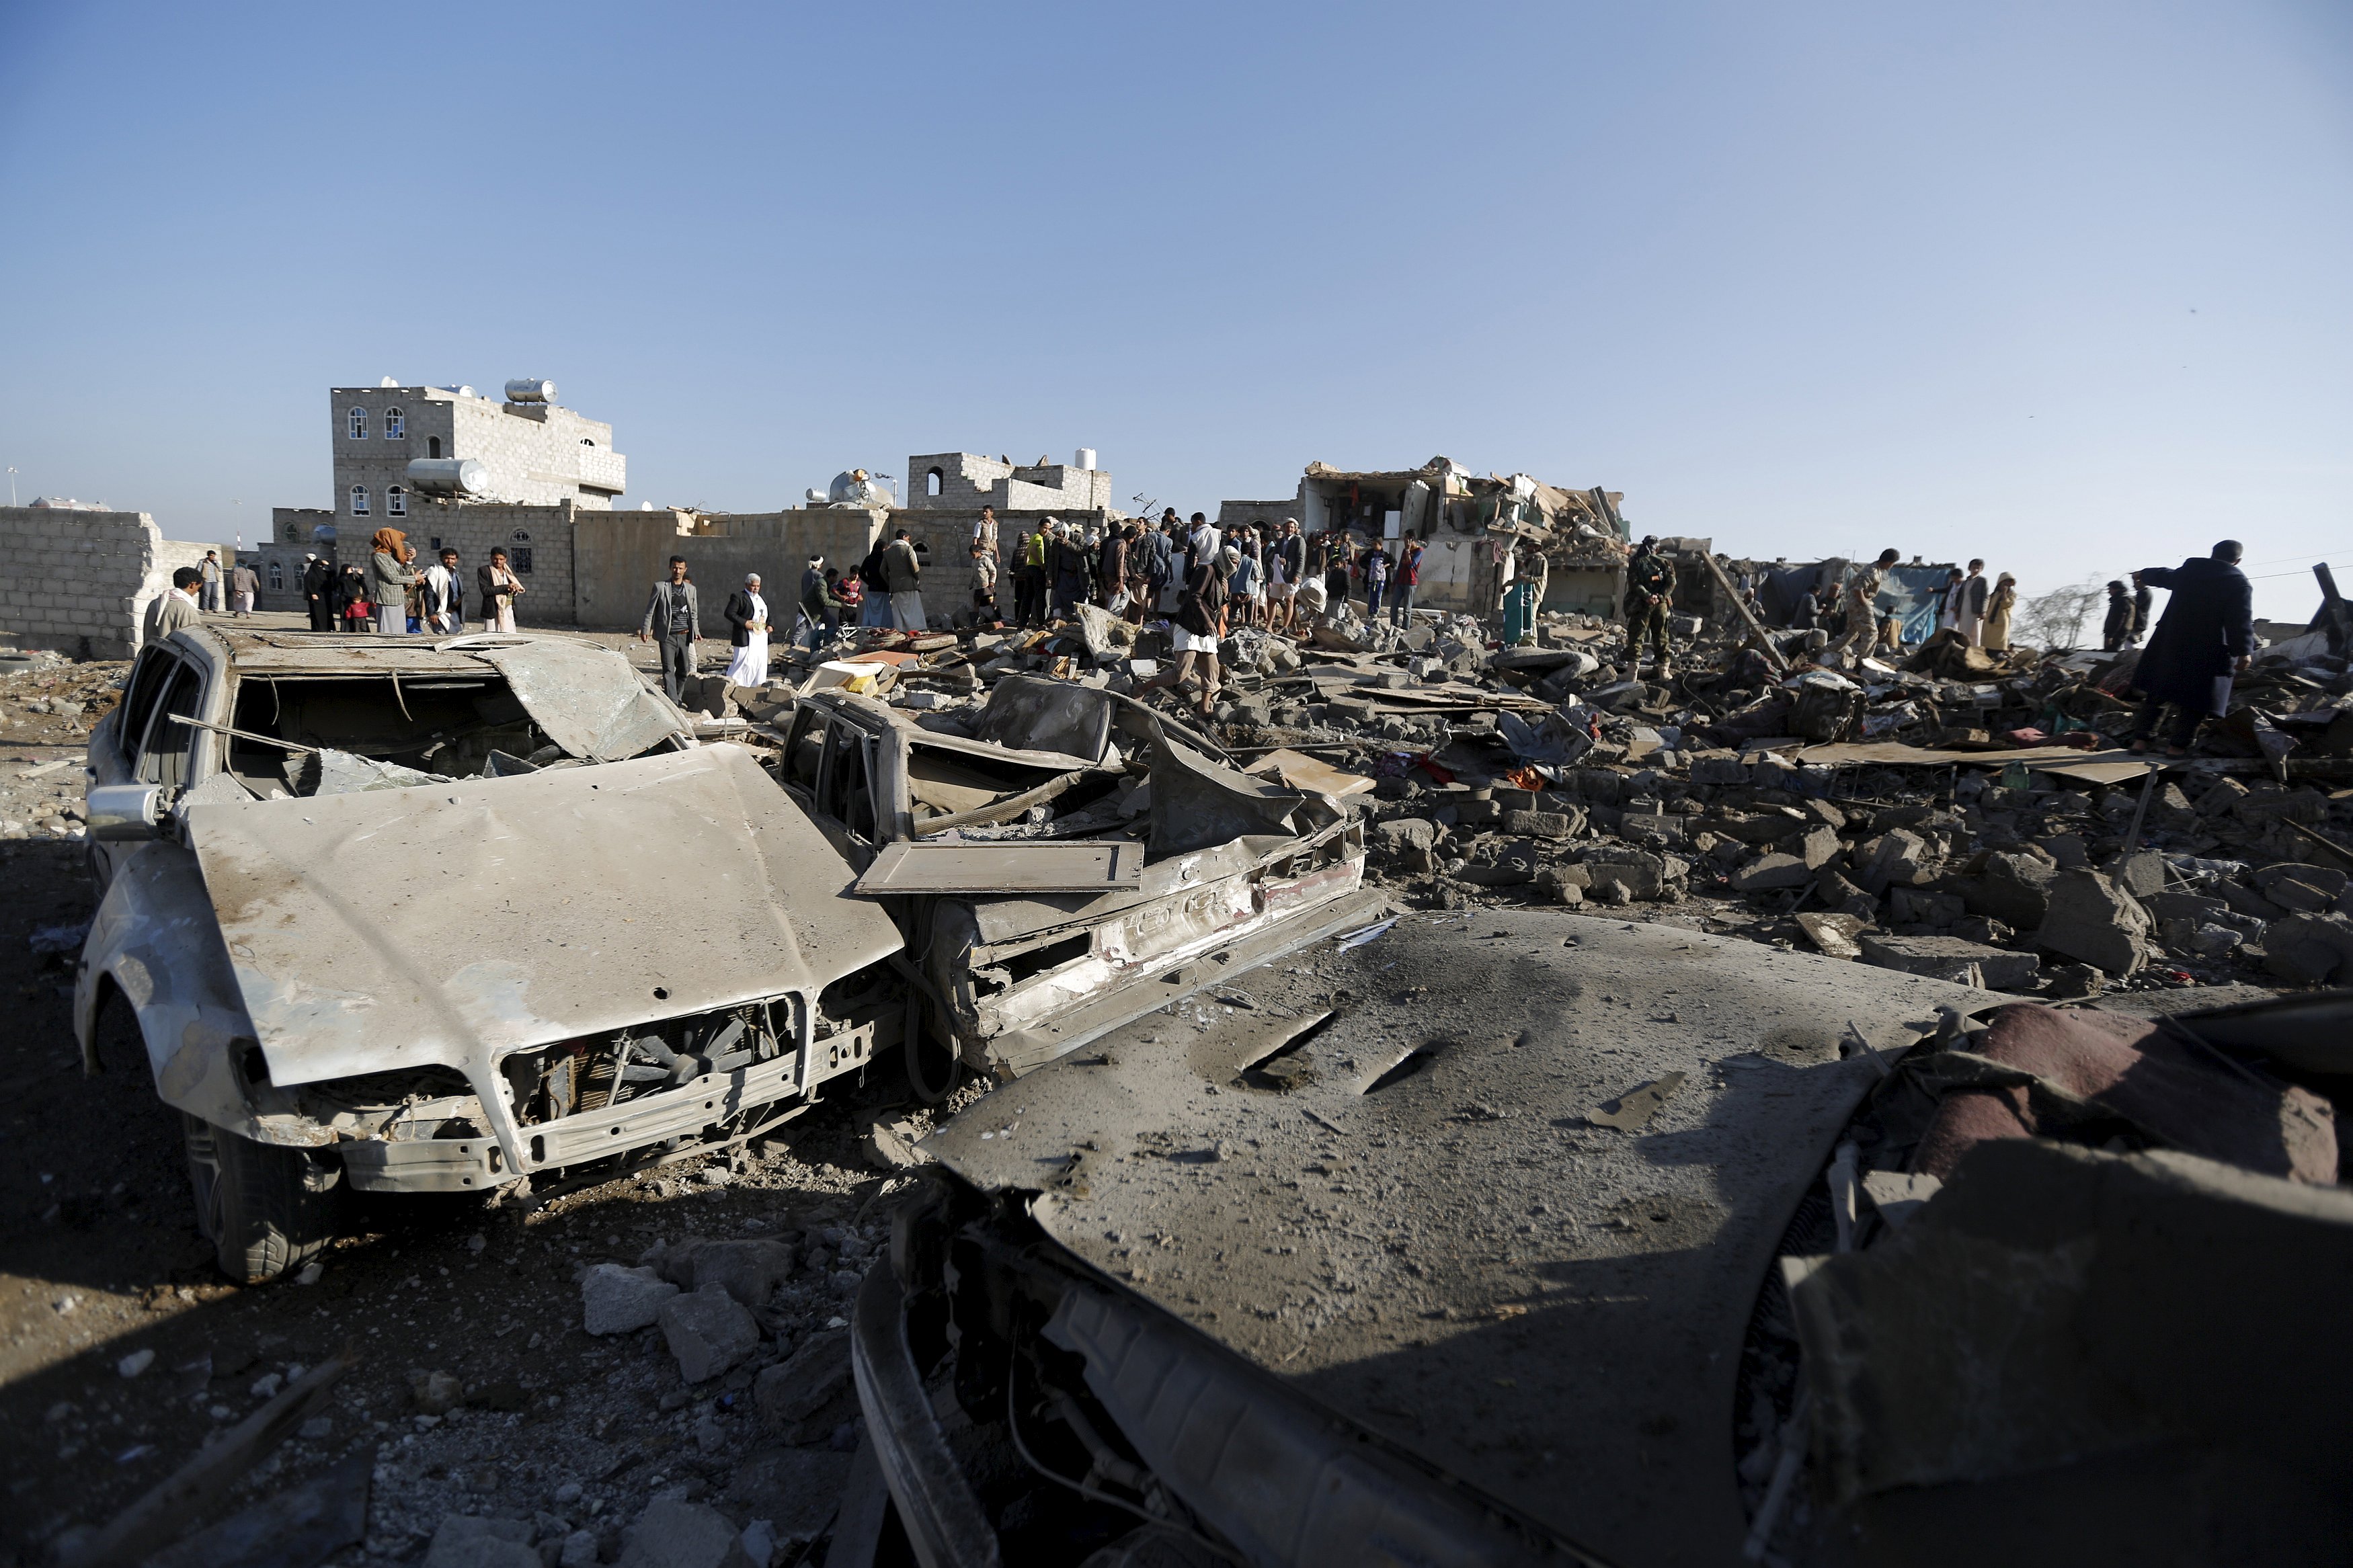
(530, 391)
(1086, 459)
(449, 476)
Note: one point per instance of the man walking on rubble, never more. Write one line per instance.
(1650, 594)
(675, 612)
(1863, 591)
(2140, 611)
(2206, 636)
(902, 574)
(1197, 624)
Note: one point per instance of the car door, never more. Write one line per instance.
(116, 746)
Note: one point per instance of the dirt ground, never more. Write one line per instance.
(101, 1261)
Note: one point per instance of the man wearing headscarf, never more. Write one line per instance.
(2206, 636)
(1998, 608)
(389, 579)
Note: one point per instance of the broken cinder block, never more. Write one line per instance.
(709, 1331)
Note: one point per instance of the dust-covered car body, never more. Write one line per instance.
(1514, 1283)
(1234, 869)
(440, 918)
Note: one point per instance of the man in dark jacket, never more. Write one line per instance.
(2140, 611)
(1066, 568)
(1111, 566)
(674, 612)
(2206, 636)
(1650, 594)
(2116, 629)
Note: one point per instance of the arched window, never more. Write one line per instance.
(433, 446)
(396, 501)
(396, 428)
(356, 424)
(277, 575)
(359, 500)
(932, 482)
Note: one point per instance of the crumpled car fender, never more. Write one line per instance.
(154, 937)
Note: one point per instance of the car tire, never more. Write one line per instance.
(267, 1209)
(932, 1078)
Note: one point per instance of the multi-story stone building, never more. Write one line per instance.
(530, 450)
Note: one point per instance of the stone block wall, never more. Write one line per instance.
(79, 581)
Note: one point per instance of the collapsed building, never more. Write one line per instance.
(1469, 524)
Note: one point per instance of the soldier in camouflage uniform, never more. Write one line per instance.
(1649, 594)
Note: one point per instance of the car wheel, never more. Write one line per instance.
(931, 1068)
(267, 1209)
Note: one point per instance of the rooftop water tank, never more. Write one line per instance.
(858, 487)
(462, 477)
(530, 391)
(1085, 459)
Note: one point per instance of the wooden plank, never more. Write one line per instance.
(1764, 640)
(1014, 865)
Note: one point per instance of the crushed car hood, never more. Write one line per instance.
(1415, 1218)
(454, 922)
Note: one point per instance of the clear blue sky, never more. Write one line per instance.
(2069, 286)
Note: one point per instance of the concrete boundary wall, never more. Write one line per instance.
(80, 581)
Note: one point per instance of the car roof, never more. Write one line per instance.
(334, 653)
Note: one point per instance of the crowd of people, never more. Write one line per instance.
(1206, 581)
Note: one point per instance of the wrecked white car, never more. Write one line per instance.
(413, 917)
(1070, 863)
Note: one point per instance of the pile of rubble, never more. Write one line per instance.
(48, 702)
(1966, 815)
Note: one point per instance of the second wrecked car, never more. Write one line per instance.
(1072, 862)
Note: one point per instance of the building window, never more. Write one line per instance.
(277, 575)
(521, 557)
(396, 501)
(356, 424)
(433, 446)
(932, 482)
(396, 428)
(359, 500)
